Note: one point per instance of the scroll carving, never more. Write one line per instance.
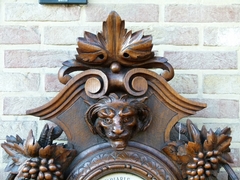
(114, 50)
(118, 116)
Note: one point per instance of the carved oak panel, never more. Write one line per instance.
(100, 160)
(118, 116)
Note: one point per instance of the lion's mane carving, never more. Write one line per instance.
(118, 119)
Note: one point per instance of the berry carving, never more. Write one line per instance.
(40, 159)
(42, 169)
(202, 153)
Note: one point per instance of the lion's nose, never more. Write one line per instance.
(118, 131)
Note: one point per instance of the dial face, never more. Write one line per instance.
(121, 176)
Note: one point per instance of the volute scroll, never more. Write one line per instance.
(119, 117)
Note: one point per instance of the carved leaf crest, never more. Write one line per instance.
(91, 49)
(114, 43)
(113, 48)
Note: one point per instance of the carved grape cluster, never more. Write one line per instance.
(202, 153)
(42, 169)
(202, 165)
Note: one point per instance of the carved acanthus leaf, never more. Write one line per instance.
(15, 149)
(206, 151)
(31, 147)
(114, 48)
(40, 159)
(136, 47)
(61, 155)
(91, 49)
(192, 148)
(114, 43)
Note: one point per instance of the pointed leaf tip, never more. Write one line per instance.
(31, 147)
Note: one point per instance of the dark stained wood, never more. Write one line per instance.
(137, 159)
(119, 116)
(40, 159)
(117, 119)
(200, 153)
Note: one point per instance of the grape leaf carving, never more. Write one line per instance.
(31, 159)
(114, 43)
(203, 154)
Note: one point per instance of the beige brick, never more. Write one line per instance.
(128, 12)
(161, 35)
(17, 82)
(188, 25)
(66, 35)
(220, 108)
(185, 83)
(221, 13)
(19, 34)
(52, 83)
(8, 128)
(221, 84)
(173, 35)
(222, 175)
(235, 157)
(182, 13)
(19, 105)
(202, 13)
(36, 58)
(202, 59)
(3, 174)
(37, 12)
(222, 36)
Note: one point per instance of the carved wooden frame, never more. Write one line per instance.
(137, 159)
(116, 98)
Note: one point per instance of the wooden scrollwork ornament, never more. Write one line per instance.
(118, 116)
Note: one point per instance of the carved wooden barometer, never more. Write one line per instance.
(120, 119)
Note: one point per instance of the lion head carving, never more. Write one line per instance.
(118, 119)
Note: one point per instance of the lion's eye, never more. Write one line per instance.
(107, 121)
(127, 119)
(128, 111)
(104, 113)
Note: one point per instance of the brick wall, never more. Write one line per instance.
(201, 39)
